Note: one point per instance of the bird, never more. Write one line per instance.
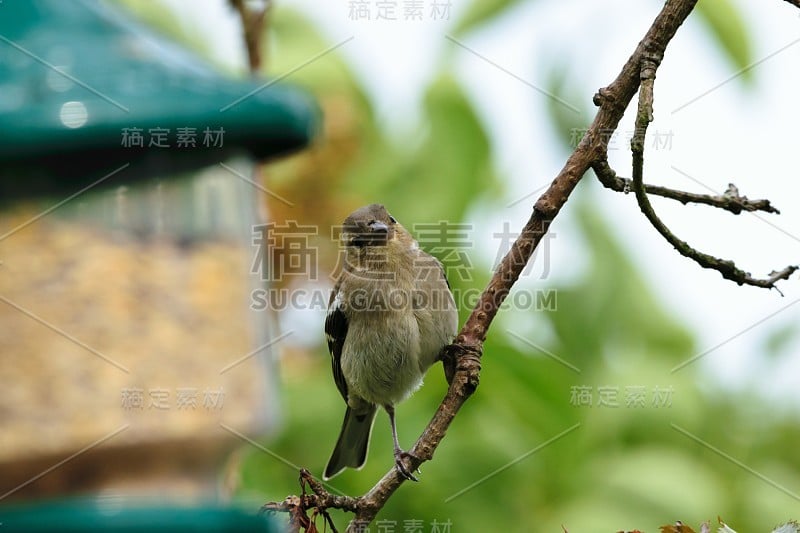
(390, 314)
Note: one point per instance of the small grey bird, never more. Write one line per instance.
(389, 316)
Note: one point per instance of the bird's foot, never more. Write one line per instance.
(400, 458)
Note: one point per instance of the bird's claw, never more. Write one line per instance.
(399, 461)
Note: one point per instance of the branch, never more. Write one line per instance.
(462, 359)
(319, 502)
(253, 23)
(730, 200)
(612, 100)
(644, 116)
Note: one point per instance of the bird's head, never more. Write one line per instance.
(371, 225)
(373, 239)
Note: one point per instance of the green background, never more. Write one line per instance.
(619, 467)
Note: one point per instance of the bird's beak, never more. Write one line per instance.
(379, 227)
(377, 234)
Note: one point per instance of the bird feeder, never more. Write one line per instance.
(132, 361)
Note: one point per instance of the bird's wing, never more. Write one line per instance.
(336, 332)
(443, 272)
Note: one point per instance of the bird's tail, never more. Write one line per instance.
(351, 448)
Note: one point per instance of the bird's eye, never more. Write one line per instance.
(392, 219)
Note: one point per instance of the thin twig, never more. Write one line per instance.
(730, 200)
(644, 116)
(320, 501)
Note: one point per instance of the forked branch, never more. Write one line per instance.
(727, 268)
(730, 200)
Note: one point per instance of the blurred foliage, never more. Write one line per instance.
(722, 18)
(623, 466)
(355, 160)
(481, 12)
(729, 32)
(567, 122)
(610, 468)
(779, 340)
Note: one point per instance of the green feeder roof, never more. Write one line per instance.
(85, 91)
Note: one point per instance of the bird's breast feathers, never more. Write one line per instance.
(380, 354)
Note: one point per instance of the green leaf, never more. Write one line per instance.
(480, 12)
(727, 26)
(569, 121)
